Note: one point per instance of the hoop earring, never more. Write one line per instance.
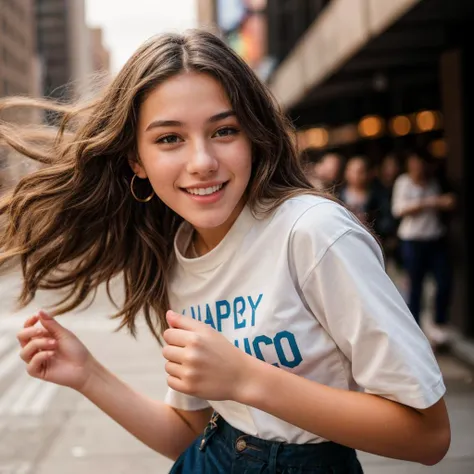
(148, 198)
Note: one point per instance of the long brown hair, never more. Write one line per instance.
(74, 223)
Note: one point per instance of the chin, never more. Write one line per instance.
(210, 218)
(208, 222)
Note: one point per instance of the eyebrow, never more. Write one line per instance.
(177, 123)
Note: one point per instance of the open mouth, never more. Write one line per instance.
(205, 191)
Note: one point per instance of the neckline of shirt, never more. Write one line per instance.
(218, 254)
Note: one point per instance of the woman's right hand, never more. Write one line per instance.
(447, 201)
(53, 353)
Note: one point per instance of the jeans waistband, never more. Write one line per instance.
(274, 452)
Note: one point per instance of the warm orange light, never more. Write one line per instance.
(301, 139)
(370, 126)
(316, 137)
(426, 121)
(439, 148)
(400, 125)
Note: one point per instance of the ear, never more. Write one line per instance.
(137, 168)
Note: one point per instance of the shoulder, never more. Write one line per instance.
(293, 208)
(322, 218)
(318, 224)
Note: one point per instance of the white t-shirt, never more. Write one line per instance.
(305, 289)
(425, 225)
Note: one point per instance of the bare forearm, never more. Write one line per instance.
(445, 202)
(411, 209)
(361, 421)
(153, 422)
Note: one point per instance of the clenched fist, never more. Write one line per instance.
(202, 362)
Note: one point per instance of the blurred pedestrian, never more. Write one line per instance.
(389, 171)
(418, 201)
(386, 225)
(271, 297)
(357, 192)
(309, 157)
(325, 173)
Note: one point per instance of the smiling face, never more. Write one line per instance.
(194, 152)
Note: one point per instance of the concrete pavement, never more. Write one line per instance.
(46, 429)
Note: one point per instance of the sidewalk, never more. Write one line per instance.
(66, 434)
(463, 349)
(72, 436)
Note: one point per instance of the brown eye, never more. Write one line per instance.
(169, 139)
(226, 132)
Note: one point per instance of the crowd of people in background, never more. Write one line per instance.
(406, 203)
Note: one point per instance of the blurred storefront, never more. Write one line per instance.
(371, 77)
(364, 76)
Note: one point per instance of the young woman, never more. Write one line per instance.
(418, 201)
(278, 317)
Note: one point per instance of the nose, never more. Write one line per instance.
(202, 160)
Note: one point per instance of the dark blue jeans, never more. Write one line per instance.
(421, 257)
(225, 450)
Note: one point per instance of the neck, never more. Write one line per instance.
(357, 189)
(205, 240)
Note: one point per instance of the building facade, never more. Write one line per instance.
(100, 54)
(63, 46)
(18, 59)
(46, 49)
(19, 74)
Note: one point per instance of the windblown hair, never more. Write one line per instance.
(74, 224)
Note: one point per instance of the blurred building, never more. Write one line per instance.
(18, 47)
(243, 23)
(206, 12)
(63, 45)
(46, 49)
(19, 72)
(100, 54)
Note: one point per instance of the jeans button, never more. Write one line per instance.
(240, 445)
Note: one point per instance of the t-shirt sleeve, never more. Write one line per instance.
(347, 289)
(182, 401)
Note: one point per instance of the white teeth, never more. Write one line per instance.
(204, 191)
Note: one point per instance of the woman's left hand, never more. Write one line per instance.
(202, 362)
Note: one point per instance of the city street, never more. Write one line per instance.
(219, 103)
(46, 429)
